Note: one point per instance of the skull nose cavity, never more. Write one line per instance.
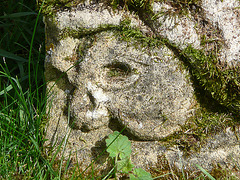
(97, 115)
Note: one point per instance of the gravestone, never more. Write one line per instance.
(141, 68)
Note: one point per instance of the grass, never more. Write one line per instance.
(23, 100)
(22, 92)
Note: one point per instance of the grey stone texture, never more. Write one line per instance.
(99, 83)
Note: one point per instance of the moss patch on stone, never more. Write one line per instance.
(222, 83)
(165, 171)
(52, 6)
(198, 128)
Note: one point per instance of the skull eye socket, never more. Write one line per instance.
(118, 69)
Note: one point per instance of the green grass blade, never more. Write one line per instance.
(31, 46)
(12, 56)
(21, 111)
(5, 25)
(16, 15)
(6, 89)
(45, 161)
(205, 172)
(162, 176)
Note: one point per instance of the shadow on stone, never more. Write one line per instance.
(101, 157)
(116, 126)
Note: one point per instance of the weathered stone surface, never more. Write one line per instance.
(150, 94)
(225, 16)
(178, 29)
(220, 150)
(110, 83)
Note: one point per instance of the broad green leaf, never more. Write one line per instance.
(140, 174)
(125, 165)
(120, 146)
(132, 177)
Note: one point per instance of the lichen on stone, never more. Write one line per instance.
(150, 66)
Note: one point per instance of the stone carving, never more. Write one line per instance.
(148, 93)
(100, 82)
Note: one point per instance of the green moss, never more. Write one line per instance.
(52, 6)
(166, 171)
(124, 31)
(72, 58)
(197, 129)
(84, 45)
(83, 32)
(223, 84)
(133, 34)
